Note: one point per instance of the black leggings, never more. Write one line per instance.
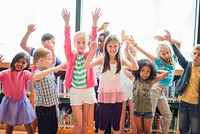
(104, 113)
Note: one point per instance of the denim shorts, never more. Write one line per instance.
(145, 114)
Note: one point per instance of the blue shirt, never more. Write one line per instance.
(168, 80)
(58, 62)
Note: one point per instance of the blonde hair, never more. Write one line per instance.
(81, 33)
(40, 53)
(197, 47)
(130, 48)
(158, 50)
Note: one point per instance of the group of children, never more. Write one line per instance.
(142, 83)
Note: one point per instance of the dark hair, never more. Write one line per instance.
(17, 57)
(106, 64)
(47, 36)
(141, 64)
(103, 34)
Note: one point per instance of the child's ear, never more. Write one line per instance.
(40, 60)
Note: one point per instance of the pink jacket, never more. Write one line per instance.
(71, 59)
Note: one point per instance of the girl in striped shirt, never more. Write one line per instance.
(81, 81)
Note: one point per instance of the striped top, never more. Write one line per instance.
(79, 77)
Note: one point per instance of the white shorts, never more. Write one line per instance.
(128, 92)
(81, 96)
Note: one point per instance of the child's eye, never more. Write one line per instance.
(23, 62)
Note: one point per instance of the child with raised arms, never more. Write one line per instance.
(128, 85)
(145, 77)
(188, 89)
(165, 60)
(81, 81)
(111, 88)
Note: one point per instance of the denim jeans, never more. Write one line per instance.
(189, 118)
(47, 120)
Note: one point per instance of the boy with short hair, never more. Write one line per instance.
(46, 98)
(47, 40)
(188, 89)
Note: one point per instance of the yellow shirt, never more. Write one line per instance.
(191, 94)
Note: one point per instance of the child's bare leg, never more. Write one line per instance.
(9, 129)
(35, 124)
(132, 118)
(139, 124)
(122, 118)
(78, 117)
(101, 131)
(147, 125)
(29, 128)
(86, 109)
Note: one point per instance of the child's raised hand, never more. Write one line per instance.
(93, 45)
(123, 36)
(131, 40)
(51, 46)
(31, 28)
(104, 26)
(1, 58)
(127, 45)
(168, 36)
(159, 38)
(96, 15)
(66, 16)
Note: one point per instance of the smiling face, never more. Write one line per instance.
(145, 72)
(112, 48)
(165, 54)
(80, 43)
(21, 64)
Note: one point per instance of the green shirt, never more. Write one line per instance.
(79, 77)
(142, 96)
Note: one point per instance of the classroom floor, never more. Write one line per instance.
(15, 132)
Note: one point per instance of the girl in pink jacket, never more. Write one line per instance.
(81, 81)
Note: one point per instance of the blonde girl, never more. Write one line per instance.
(81, 81)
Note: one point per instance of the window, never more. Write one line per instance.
(146, 18)
(45, 14)
(141, 18)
